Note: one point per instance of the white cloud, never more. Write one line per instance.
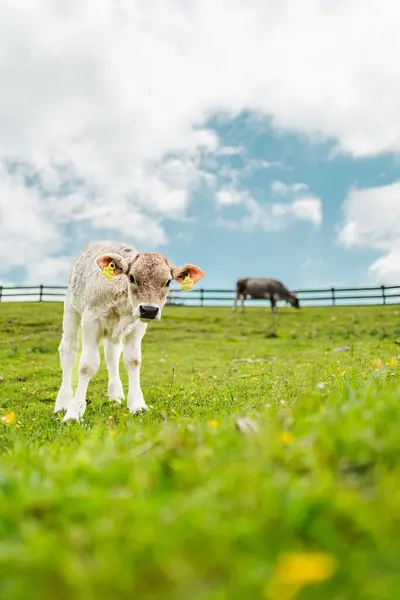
(34, 216)
(104, 94)
(268, 216)
(231, 196)
(279, 187)
(236, 176)
(372, 217)
(50, 271)
(372, 221)
(26, 231)
(282, 189)
(308, 209)
(137, 79)
(256, 163)
(231, 151)
(387, 268)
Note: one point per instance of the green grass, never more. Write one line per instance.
(180, 503)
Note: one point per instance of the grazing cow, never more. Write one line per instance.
(270, 289)
(113, 292)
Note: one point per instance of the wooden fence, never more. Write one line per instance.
(202, 297)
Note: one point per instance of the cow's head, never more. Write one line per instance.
(293, 300)
(148, 278)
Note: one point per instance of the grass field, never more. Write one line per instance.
(183, 503)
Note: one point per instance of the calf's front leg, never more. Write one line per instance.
(133, 361)
(67, 350)
(112, 353)
(88, 366)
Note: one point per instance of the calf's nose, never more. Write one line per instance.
(147, 311)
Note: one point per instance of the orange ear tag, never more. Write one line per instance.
(108, 271)
(187, 284)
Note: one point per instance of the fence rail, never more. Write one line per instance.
(384, 294)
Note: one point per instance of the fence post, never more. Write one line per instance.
(333, 296)
(40, 293)
(201, 297)
(1, 291)
(383, 294)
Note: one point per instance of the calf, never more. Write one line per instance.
(113, 292)
(270, 289)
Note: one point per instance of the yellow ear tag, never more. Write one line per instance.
(108, 271)
(187, 284)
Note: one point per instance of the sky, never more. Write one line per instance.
(254, 138)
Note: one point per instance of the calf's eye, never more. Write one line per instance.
(168, 283)
(131, 279)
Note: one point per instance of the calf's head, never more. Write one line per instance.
(147, 278)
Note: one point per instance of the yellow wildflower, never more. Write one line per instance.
(213, 423)
(287, 438)
(295, 570)
(9, 418)
(392, 362)
(169, 396)
(305, 567)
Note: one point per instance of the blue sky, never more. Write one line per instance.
(252, 139)
(300, 254)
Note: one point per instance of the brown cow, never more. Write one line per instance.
(259, 288)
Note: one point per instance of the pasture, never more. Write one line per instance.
(302, 501)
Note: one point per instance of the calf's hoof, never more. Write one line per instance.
(138, 411)
(63, 400)
(116, 393)
(74, 414)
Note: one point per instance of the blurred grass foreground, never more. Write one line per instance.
(267, 466)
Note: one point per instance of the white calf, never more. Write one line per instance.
(113, 292)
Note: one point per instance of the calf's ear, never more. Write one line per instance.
(195, 273)
(121, 265)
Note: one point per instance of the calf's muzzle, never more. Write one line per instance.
(148, 311)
